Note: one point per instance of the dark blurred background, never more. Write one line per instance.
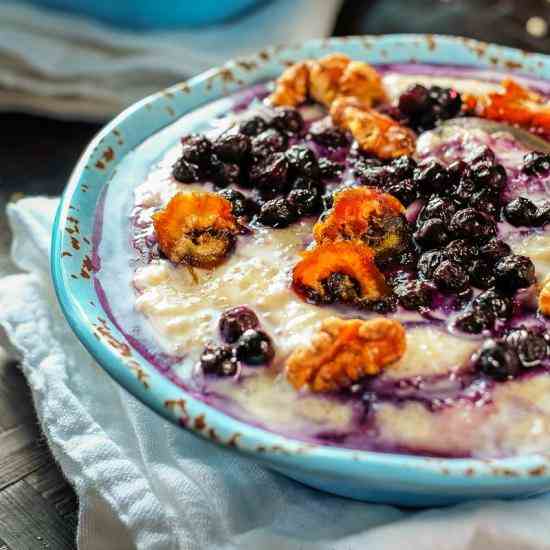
(54, 146)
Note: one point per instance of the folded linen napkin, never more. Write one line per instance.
(145, 483)
(72, 67)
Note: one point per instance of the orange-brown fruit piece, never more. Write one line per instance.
(347, 265)
(374, 132)
(367, 214)
(197, 229)
(344, 351)
(544, 297)
(516, 105)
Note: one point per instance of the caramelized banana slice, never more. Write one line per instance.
(196, 229)
(367, 214)
(344, 351)
(544, 297)
(374, 132)
(516, 105)
(339, 272)
(326, 79)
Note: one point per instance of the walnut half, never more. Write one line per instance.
(345, 350)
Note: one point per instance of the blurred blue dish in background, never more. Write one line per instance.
(152, 14)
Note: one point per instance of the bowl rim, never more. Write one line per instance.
(219, 427)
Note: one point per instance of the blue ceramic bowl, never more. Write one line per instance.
(151, 14)
(393, 478)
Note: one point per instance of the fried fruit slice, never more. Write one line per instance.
(367, 214)
(338, 271)
(343, 351)
(375, 133)
(196, 229)
(516, 105)
(544, 297)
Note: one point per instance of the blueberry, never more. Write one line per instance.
(235, 321)
(329, 136)
(404, 166)
(437, 207)
(461, 251)
(431, 234)
(196, 149)
(514, 272)
(521, 211)
(456, 170)
(469, 223)
(493, 250)
(413, 294)
(277, 213)
(288, 120)
(374, 174)
(472, 321)
(253, 126)
(268, 142)
(428, 263)
(270, 174)
(305, 201)
(241, 206)
(329, 169)
(450, 277)
(424, 107)
(486, 202)
(226, 174)
(340, 287)
(536, 163)
(232, 147)
(382, 306)
(302, 162)
(218, 360)
(493, 304)
(481, 155)
(543, 214)
(414, 100)
(185, 172)
(430, 177)
(530, 346)
(255, 348)
(497, 360)
(464, 191)
(481, 273)
(404, 191)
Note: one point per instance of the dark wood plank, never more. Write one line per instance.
(13, 410)
(27, 523)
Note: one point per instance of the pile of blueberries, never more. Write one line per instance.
(519, 349)
(286, 180)
(454, 244)
(244, 341)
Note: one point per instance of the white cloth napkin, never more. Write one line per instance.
(72, 67)
(145, 483)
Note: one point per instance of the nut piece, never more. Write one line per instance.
(363, 82)
(344, 351)
(544, 297)
(367, 214)
(197, 229)
(292, 86)
(326, 79)
(374, 132)
(351, 262)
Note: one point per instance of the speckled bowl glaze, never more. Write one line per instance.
(393, 478)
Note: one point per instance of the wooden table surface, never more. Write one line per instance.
(38, 508)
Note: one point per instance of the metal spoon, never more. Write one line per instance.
(523, 136)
